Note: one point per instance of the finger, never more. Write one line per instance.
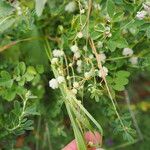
(92, 137)
(71, 146)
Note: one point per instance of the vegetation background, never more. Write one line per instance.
(33, 116)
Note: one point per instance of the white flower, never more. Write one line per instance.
(75, 85)
(147, 7)
(79, 35)
(91, 56)
(79, 69)
(127, 52)
(85, 47)
(87, 74)
(99, 149)
(99, 44)
(57, 53)
(103, 72)
(82, 11)
(109, 35)
(53, 83)
(74, 48)
(60, 79)
(97, 6)
(133, 60)
(141, 14)
(79, 62)
(70, 7)
(54, 61)
(74, 91)
(102, 57)
(77, 55)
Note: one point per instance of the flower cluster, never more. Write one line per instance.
(54, 83)
(141, 14)
(129, 52)
(75, 50)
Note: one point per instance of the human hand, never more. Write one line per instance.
(90, 138)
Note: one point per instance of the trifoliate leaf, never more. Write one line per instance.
(110, 7)
(123, 73)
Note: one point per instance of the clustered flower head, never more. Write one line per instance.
(75, 50)
(102, 57)
(80, 35)
(70, 7)
(58, 53)
(54, 61)
(134, 60)
(103, 72)
(147, 7)
(141, 14)
(54, 83)
(79, 66)
(127, 52)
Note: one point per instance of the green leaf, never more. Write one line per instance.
(6, 23)
(121, 80)
(39, 6)
(31, 70)
(118, 17)
(123, 73)
(40, 69)
(5, 9)
(31, 110)
(79, 138)
(22, 67)
(148, 32)
(9, 94)
(110, 7)
(6, 82)
(111, 45)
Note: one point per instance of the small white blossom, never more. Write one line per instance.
(127, 52)
(147, 7)
(53, 83)
(79, 62)
(85, 48)
(77, 55)
(99, 44)
(91, 56)
(70, 7)
(133, 60)
(109, 35)
(57, 53)
(79, 35)
(75, 85)
(79, 69)
(97, 6)
(107, 28)
(60, 79)
(54, 61)
(70, 64)
(103, 72)
(141, 15)
(87, 74)
(74, 91)
(102, 57)
(74, 48)
(82, 11)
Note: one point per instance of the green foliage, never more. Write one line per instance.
(90, 50)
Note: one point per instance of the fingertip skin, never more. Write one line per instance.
(93, 137)
(71, 146)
